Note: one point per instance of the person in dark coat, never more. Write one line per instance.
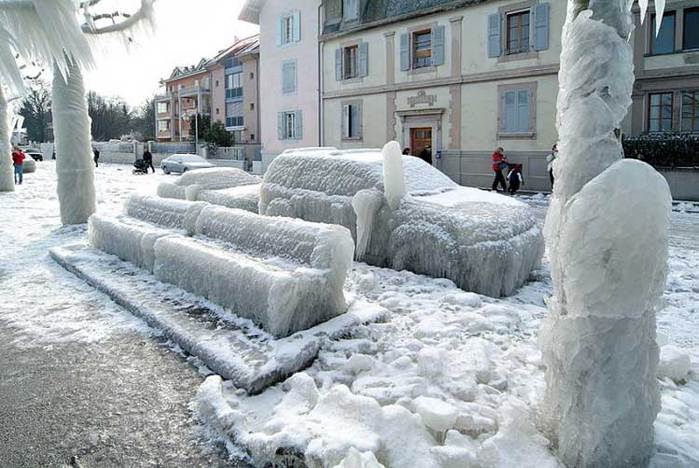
(406, 151)
(96, 156)
(426, 155)
(148, 159)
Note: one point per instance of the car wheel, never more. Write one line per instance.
(166, 170)
(184, 170)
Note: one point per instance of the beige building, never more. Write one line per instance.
(289, 115)
(456, 79)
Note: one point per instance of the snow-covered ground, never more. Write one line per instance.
(451, 379)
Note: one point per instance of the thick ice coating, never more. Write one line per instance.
(176, 214)
(284, 274)
(607, 235)
(484, 242)
(193, 185)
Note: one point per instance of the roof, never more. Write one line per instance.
(249, 45)
(251, 11)
(378, 12)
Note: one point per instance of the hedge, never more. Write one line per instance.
(667, 150)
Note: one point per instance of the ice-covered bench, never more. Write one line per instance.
(284, 274)
(224, 186)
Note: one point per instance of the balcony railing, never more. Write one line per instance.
(194, 90)
(234, 122)
(233, 93)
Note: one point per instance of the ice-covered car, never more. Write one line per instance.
(226, 186)
(35, 154)
(182, 163)
(484, 242)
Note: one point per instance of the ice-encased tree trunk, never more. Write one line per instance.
(606, 233)
(7, 183)
(74, 165)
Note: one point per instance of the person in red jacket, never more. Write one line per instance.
(499, 164)
(18, 163)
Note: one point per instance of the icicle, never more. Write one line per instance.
(643, 4)
(9, 71)
(393, 174)
(74, 165)
(7, 183)
(659, 12)
(366, 204)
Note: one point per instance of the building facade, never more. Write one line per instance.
(457, 79)
(225, 88)
(666, 93)
(289, 71)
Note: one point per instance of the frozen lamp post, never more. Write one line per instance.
(606, 233)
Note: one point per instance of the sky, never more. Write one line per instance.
(186, 31)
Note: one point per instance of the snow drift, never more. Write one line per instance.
(483, 242)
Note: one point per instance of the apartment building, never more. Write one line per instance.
(666, 93)
(451, 78)
(289, 70)
(226, 88)
(187, 92)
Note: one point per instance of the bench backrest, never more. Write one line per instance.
(166, 212)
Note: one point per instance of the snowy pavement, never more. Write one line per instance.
(79, 376)
(88, 379)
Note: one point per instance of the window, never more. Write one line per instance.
(252, 137)
(290, 125)
(289, 29)
(517, 32)
(252, 106)
(517, 114)
(163, 107)
(234, 85)
(350, 62)
(163, 126)
(217, 83)
(217, 111)
(690, 111)
(691, 28)
(352, 121)
(289, 77)
(660, 112)
(350, 10)
(422, 49)
(234, 114)
(663, 43)
(252, 76)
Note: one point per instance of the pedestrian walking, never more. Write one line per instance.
(550, 160)
(499, 165)
(96, 156)
(18, 163)
(148, 160)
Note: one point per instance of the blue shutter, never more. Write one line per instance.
(510, 111)
(280, 31)
(405, 52)
(494, 41)
(541, 26)
(299, 125)
(345, 120)
(363, 59)
(280, 126)
(297, 26)
(438, 45)
(523, 111)
(356, 116)
(338, 64)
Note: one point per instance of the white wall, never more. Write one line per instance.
(305, 52)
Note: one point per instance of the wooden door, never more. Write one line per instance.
(420, 139)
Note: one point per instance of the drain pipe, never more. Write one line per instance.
(321, 126)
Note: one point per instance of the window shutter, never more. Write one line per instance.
(404, 52)
(363, 59)
(280, 126)
(438, 46)
(523, 111)
(510, 110)
(356, 116)
(297, 26)
(338, 64)
(345, 120)
(280, 31)
(494, 41)
(541, 22)
(299, 125)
